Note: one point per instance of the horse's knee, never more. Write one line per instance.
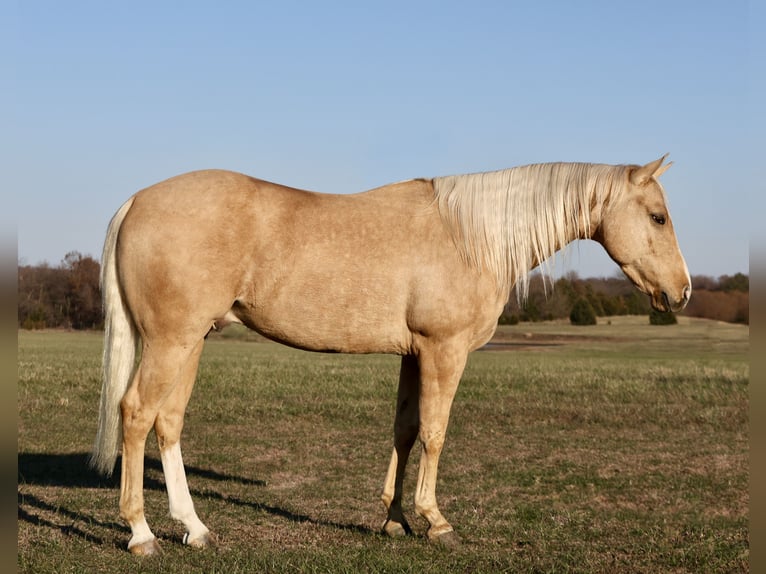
(432, 440)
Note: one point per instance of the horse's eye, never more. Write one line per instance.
(658, 219)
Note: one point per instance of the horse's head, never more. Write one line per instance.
(637, 232)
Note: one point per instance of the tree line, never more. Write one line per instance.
(68, 296)
(726, 298)
(65, 296)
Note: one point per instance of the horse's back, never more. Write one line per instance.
(319, 271)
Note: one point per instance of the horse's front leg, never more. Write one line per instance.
(440, 371)
(406, 427)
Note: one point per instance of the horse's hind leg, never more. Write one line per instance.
(406, 427)
(168, 427)
(157, 375)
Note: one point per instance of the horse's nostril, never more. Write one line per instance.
(687, 292)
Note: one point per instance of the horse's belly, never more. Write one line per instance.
(330, 329)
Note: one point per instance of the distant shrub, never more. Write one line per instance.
(660, 318)
(508, 319)
(582, 313)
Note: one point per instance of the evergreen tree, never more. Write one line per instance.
(582, 313)
(662, 318)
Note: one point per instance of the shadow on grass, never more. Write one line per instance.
(72, 471)
(29, 504)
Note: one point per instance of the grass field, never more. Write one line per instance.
(621, 447)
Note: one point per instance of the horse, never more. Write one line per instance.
(420, 268)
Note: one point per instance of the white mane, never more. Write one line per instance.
(507, 222)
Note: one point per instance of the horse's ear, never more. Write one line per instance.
(663, 168)
(655, 168)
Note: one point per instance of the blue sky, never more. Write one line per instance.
(106, 98)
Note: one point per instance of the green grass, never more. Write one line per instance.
(621, 447)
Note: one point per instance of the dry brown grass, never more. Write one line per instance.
(615, 449)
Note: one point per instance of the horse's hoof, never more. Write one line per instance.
(202, 541)
(396, 529)
(445, 539)
(148, 548)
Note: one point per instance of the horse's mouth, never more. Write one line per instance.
(661, 302)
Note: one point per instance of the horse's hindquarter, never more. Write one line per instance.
(350, 273)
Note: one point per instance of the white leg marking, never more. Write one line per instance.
(179, 497)
(140, 533)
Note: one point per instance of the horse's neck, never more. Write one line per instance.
(556, 200)
(509, 222)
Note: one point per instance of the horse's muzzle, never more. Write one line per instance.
(665, 303)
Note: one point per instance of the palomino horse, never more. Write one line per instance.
(420, 268)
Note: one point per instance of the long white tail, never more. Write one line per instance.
(120, 344)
